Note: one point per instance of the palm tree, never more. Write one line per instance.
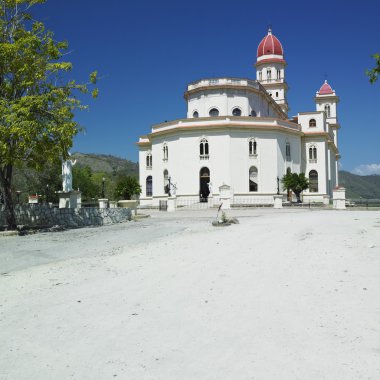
(127, 187)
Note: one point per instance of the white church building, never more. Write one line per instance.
(237, 136)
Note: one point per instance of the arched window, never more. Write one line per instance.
(253, 113)
(149, 161)
(253, 181)
(312, 153)
(313, 181)
(203, 149)
(269, 75)
(214, 112)
(149, 186)
(312, 123)
(287, 152)
(252, 147)
(165, 152)
(195, 114)
(236, 112)
(327, 110)
(166, 182)
(278, 74)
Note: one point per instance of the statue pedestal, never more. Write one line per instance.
(277, 201)
(172, 203)
(70, 199)
(103, 202)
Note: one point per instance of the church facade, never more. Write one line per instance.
(237, 133)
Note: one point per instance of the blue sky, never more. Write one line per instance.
(146, 51)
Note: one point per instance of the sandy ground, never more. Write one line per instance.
(286, 294)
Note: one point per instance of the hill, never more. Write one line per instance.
(106, 163)
(358, 186)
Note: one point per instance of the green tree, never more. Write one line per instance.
(127, 187)
(374, 73)
(83, 179)
(295, 182)
(36, 104)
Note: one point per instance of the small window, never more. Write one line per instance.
(313, 181)
(195, 114)
(260, 75)
(313, 154)
(203, 149)
(287, 152)
(253, 113)
(252, 147)
(276, 94)
(312, 123)
(214, 112)
(149, 161)
(269, 74)
(236, 112)
(165, 152)
(278, 74)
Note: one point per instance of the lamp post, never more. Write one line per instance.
(18, 192)
(169, 186)
(47, 194)
(278, 185)
(103, 187)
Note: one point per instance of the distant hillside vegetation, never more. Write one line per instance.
(107, 163)
(360, 186)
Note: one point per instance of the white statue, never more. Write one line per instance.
(67, 175)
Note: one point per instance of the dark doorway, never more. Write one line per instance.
(204, 179)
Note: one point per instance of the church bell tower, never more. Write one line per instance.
(270, 69)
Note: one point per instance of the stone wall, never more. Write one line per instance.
(46, 216)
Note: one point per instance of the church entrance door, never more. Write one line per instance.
(204, 179)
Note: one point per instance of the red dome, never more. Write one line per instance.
(325, 89)
(270, 45)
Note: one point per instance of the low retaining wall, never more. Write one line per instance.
(46, 216)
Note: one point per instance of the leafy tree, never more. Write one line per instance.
(374, 73)
(295, 182)
(83, 179)
(36, 104)
(127, 187)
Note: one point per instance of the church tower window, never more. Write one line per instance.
(195, 114)
(260, 75)
(149, 186)
(149, 161)
(278, 74)
(312, 123)
(313, 181)
(252, 147)
(253, 113)
(214, 112)
(203, 150)
(236, 112)
(253, 175)
(327, 110)
(269, 75)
